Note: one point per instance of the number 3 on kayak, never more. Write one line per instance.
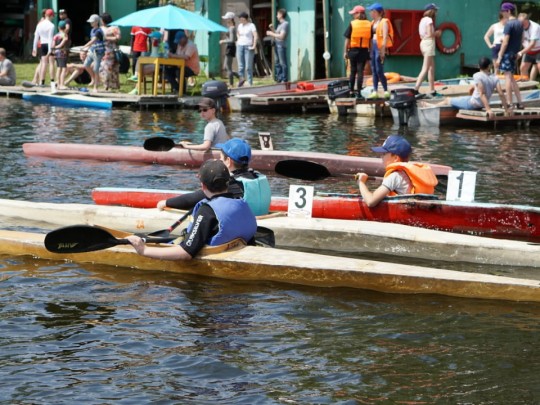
(461, 186)
(300, 201)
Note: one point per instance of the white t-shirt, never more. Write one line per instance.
(425, 22)
(531, 34)
(215, 132)
(489, 82)
(44, 33)
(245, 34)
(398, 182)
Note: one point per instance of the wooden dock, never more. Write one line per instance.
(352, 105)
(520, 116)
(119, 100)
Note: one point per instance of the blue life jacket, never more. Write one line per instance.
(236, 220)
(257, 193)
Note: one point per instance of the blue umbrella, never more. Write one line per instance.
(169, 17)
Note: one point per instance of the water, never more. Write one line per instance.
(97, 334)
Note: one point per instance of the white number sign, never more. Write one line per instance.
(300, 201)
(461, 186)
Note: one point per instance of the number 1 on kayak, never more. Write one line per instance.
(461, 186)
(300, 201)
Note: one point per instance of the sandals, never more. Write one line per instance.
(519, 106)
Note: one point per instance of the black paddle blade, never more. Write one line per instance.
(302, 169)
(80, 239)
(158, 144)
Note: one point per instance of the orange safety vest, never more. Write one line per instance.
(379, 33)
(422, 177)
(361, 33)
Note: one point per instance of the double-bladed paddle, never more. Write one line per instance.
(161, 144)
(86, 238)
(312, 171)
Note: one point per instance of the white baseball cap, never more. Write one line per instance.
(229, 15)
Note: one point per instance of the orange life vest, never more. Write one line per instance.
(361, 33)
(422, 177)
(379, 33)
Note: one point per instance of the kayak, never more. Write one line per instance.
(264, 160)
(337, 236)
(425, 211)
(254, 263)
(69, 100)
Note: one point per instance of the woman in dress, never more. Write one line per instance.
(109, 71)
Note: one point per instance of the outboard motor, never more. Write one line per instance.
(338, 89)
(218, 91)
(404, 100)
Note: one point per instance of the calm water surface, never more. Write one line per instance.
(72, 333)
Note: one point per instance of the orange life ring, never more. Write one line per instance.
(391, 77)
(457, 35)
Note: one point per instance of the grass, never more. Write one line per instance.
(25, 71)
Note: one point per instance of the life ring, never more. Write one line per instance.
(457, 38)
(391, 77)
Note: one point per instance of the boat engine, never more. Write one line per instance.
(338, 89)
(404, 100)
(217, 91)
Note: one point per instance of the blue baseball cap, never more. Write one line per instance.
(237, 149)
(431, 6)
(395, 144)
(179, 35)
(377, 7)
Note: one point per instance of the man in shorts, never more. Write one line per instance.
(511, 44)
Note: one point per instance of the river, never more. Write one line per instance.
(95, 334)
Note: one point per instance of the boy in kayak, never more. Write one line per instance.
(245, 183)
(401, 177)
(214, 131)
(218, 219)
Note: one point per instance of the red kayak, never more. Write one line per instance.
(263, 160)
(425, 211)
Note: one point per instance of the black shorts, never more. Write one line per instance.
(61, 62)
(44, 49)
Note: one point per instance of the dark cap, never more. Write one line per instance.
(237, 149)
(396, 145)
(214, 175)
(377, 7)
(207, 102)
(431, 6)
(507, 7)
(243, 14)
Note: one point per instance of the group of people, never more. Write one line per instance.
(241, 42)
(98, 55)
(513, 38)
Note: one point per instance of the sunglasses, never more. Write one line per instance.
(203, 109)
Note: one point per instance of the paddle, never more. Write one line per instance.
(86, 238)
(165, 233)
(312, 171)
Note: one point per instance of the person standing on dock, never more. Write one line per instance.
(218, 219)
(214, 132)
(383, 38)
(230, 46)
(246, 44)
(44, 36)
(357, 39)
(62, 15)
(511, 44)
(427, 32)
(531, 45)
(8, 76)
(497, 31)
(245, 183)
(401, 177)
(96, 50)
(279, 36)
